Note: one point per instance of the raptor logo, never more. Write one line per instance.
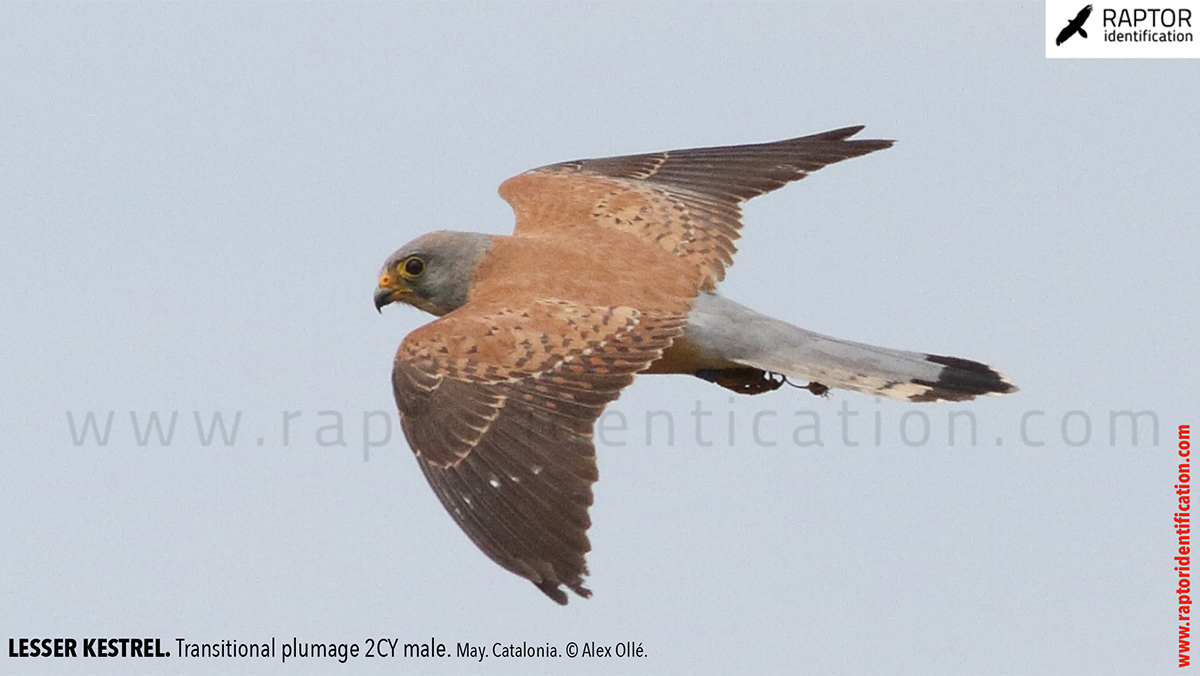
(1075, 26)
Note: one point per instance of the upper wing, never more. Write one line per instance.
(1083, 15)
(685, 201)
(498, 405)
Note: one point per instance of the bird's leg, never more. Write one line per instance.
(819, 389)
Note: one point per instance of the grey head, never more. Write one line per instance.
(432, 272)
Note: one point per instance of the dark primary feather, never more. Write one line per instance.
(734, 174)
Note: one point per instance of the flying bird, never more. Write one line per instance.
(611, 270)
(1074, 26)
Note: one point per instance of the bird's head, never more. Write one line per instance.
(432, 272)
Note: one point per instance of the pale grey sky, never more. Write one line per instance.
(195, 200)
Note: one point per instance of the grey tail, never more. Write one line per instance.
(742, 336)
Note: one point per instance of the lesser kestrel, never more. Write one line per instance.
(611, 270)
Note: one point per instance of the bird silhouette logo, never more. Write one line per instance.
(1075, 26)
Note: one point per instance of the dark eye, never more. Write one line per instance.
(414, 267)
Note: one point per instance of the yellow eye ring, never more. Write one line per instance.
(411, 267)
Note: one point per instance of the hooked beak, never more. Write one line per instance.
(389, 291)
